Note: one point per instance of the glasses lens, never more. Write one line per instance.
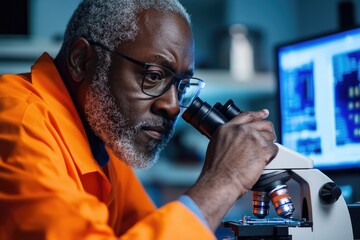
(157, 80)
(188, 90)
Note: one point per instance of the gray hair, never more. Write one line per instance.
(112, 22)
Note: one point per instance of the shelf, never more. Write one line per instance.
(220, 85)
(18, 54)
(26, 48)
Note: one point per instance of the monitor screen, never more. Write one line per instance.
(319, 98)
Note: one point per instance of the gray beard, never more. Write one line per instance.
(109, 123)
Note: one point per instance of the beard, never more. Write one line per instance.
(109, 122)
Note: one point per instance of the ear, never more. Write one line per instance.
(79, 59)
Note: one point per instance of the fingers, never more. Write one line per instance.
(275, 152)
(249, 116)
(255, 121)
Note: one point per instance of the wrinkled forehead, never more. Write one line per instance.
(165, 34)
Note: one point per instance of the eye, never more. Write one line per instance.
(154, 76)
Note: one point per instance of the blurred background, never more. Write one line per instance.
(235, 42)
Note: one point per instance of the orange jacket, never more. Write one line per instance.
(51, 187)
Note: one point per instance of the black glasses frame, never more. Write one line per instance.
(175, 79)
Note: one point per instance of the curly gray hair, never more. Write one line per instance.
(113, 21)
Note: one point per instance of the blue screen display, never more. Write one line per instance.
(319, 92)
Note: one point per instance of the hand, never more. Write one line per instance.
(235, 159)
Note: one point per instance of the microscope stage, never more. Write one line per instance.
(269, 228)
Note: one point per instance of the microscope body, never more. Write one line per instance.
(329, 218)
(324, 213)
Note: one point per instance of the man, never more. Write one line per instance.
(71, 130)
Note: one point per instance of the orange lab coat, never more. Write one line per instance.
(51, 187)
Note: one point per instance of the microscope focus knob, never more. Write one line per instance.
(329, 192)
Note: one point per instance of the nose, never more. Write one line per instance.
(167, 104)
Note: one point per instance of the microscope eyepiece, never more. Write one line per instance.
(229, 109)
(203, 117)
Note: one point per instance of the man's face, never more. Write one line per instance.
(135, 126)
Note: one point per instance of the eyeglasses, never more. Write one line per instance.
(158, 79)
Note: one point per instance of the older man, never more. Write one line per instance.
(72, 128)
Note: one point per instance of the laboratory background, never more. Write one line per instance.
(236, 43)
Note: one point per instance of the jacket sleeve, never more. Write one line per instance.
(168, 218)
(40, 200)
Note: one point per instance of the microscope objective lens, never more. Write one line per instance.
(281, 200)
(261, 202)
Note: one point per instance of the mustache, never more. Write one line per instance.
(167, 125)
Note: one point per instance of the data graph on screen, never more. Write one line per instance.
(347, 97)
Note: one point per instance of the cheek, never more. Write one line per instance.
(120, 87)
(130, 100)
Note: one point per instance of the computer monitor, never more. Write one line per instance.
(319, 98)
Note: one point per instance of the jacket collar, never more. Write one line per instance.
(52, 89)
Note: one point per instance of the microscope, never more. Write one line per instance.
(324, 214)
